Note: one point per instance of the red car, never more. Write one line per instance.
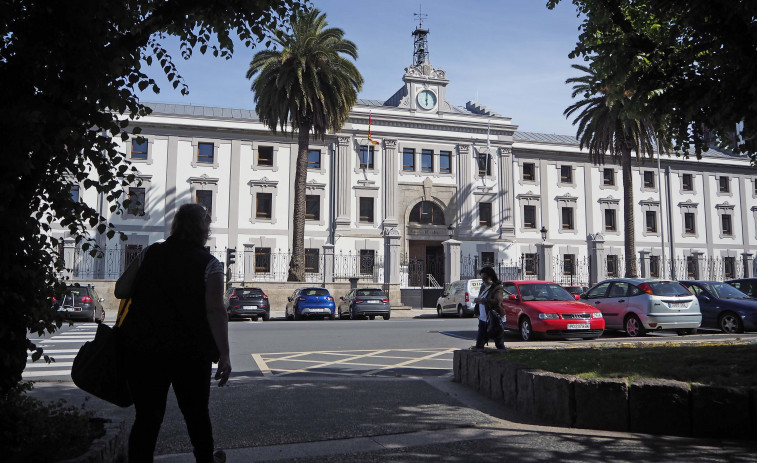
(543, 308)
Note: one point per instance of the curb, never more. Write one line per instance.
(652, 406)
(110, 448)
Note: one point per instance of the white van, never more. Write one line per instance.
(457, 298)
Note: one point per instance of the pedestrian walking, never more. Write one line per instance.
(489, 300)
(175, 329)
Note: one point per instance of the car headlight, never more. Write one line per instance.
(596, 315)
(548, 316)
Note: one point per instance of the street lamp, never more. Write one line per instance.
(451, 231)
(543, 233)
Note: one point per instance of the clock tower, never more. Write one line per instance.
(425, 86)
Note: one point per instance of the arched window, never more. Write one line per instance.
(427, 213)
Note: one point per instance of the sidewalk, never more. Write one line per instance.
(337, 419)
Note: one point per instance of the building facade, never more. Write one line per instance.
(415, 190)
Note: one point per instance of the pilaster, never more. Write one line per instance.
(391, 172)
(597, 258)
(344, 164)
(464, 184)
(328, 263)
(506, 204)
(545, 271)
(391, 256)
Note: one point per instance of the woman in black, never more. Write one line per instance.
(489, 298)
(175, 328)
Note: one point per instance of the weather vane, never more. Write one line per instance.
(420, 16)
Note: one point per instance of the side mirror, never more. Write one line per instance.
(513, 297)
(583, 296)
(341, 298)
(289, 298)
(101, 299)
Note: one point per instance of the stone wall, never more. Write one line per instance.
(651, 406)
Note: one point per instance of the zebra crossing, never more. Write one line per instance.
(61, 346)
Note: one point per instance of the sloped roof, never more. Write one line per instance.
(202, 111)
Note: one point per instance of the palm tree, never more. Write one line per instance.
(307, 84)
(613, 121)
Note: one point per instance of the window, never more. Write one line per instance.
(530, 263)
(691, 267)
(729, 267)
(312, 207)
(487, 259)
(311, 260)
(485, 214)
(724, 184)
(529, 172)
(610, 220)
(367, 260)
(484, 164)
(427, 213)
(74, 190)
(366, 210)
(263, 205)
(205, 198)
(726, 225)
(427, 161)
(262, 260)
(566, 174)
(265, 156)
(654, 266)
(687, 182)
(651, 221)
(136, 201)
(205, 153)
(366, 157)
(612, 265)
(568, 264)
(689, 223)
(314, 159)
(408, 160)
(445, 162)
(648, 179)
(131, 252)
(139, 149)
(529, 216)
(567, 218)
(608, 177)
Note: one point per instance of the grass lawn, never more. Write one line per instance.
(722, 364)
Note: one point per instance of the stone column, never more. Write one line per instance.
(328, 263)
(391, 256)
(464, 184)
(69, 258)
(451, 260)
(597, 259)
(344, 164)
(644, 264)
(391, 171)
(545, 270)
(248, 261)
(700, 263)
(506, 204)
(746, 258)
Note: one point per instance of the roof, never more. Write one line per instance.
(202, 111)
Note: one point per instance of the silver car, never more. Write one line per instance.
(638, 305)
(365, 302)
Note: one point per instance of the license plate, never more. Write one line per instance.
(578, 326)
(678, 305)
(372, 302)
(250, 307)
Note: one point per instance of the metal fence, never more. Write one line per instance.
(696, 267)
(524, 268)
(571, 271)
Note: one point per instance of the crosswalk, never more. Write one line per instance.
(63, 348)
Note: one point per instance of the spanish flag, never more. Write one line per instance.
(369, 131)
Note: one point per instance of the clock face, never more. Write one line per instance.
(427, 99)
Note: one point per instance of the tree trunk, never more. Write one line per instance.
(297, 262)
(629, 234)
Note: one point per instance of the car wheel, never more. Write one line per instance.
(254, 319)
(297, 316)
(439, 311)
(332, 316)
(729, 322)
(386, 317)
(266, 317)
(94, 317)
(460, 313)
(526, 330)
(352, 315)
(372, 317)
(633, 326)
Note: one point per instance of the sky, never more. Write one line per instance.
(509, 55)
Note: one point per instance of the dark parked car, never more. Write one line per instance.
(247, 303)
(724, 307)
(576, 291)
(310, 302)
(365, 302)
(81, 303)
(747, 286)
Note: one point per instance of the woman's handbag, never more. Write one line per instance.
(95, 369)
(495, 325)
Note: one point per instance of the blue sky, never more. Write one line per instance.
(510, 55)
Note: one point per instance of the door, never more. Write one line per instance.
(511, 306)
(707, 305)
(450, 303)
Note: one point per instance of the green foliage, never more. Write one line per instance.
(307, 84)
(691, 63)
(26, 423)
(68, 76)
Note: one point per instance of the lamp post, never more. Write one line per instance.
(543, 232)
(451, 231)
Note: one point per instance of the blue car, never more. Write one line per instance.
(310, 303)
(724, 307)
